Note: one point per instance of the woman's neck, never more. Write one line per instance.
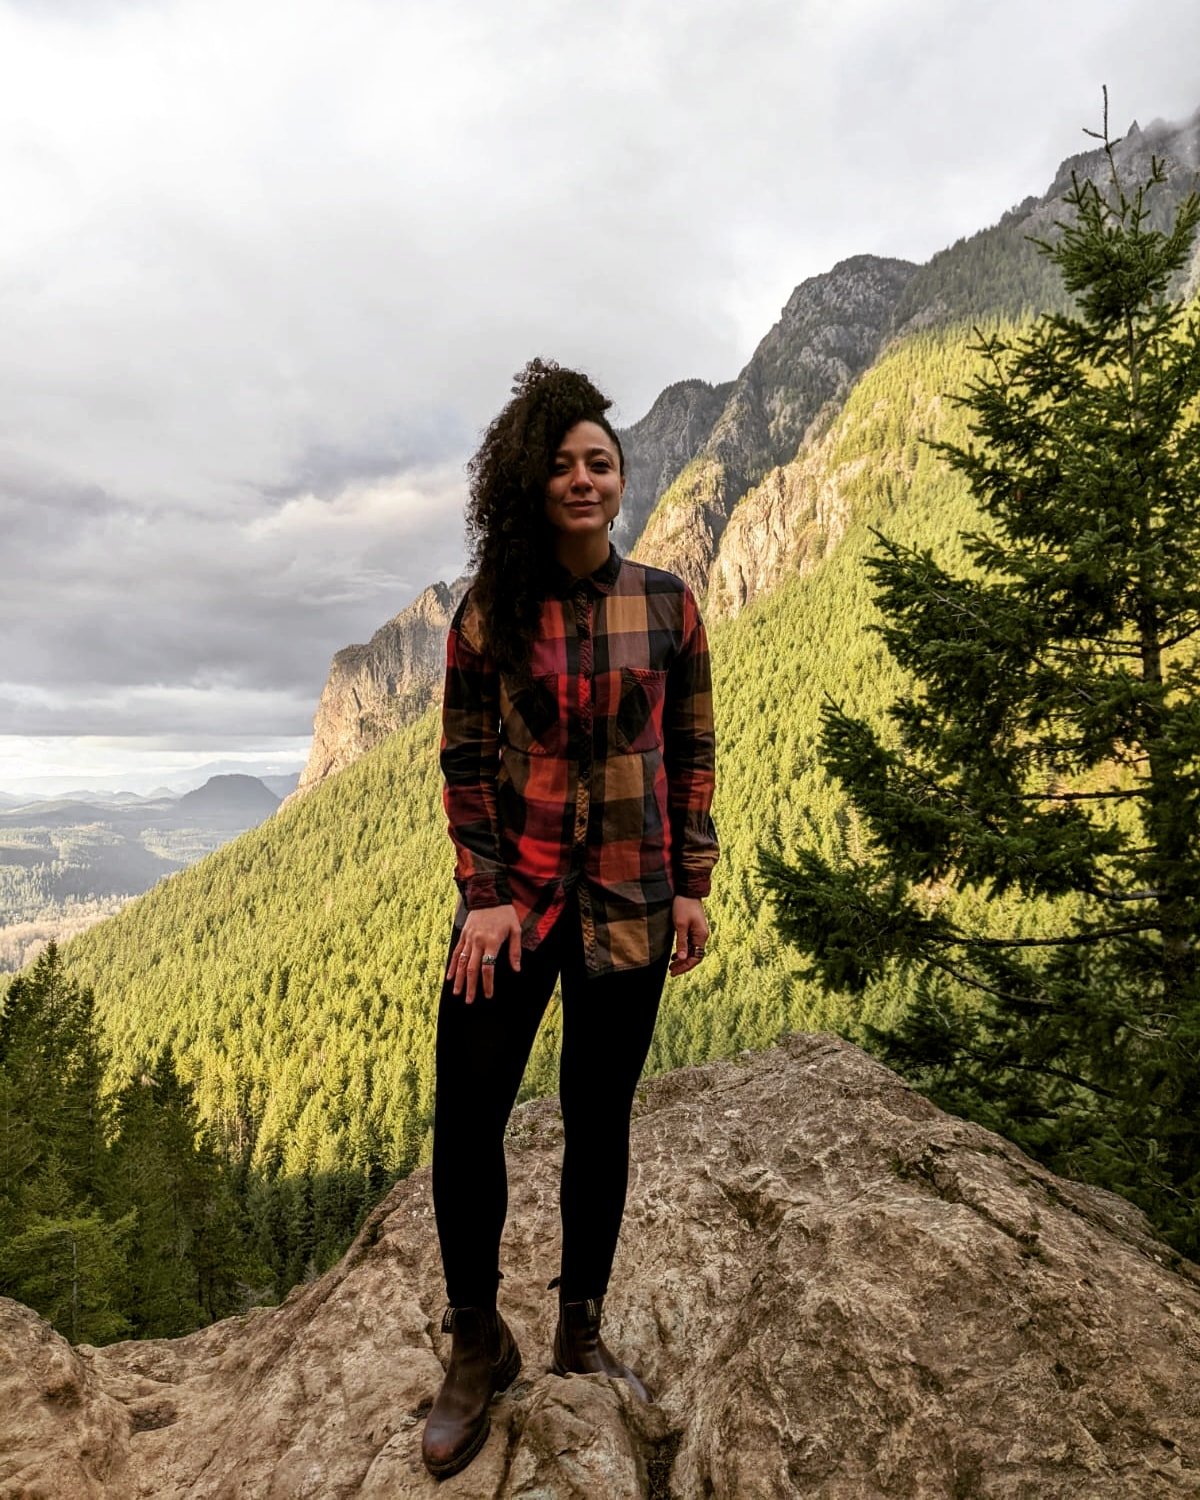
(581, 555)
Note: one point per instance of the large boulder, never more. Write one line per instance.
(834, 1289)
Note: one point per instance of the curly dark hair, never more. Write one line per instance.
(511, 540)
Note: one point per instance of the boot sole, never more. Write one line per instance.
(504, 1378)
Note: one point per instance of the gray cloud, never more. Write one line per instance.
(268, 267)
(108, 609)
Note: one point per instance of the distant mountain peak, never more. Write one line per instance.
(231, 792)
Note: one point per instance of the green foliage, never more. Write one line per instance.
(113, 1218)
(1046, 760)
(71, 1269)
(52, 1108)
(185, 1256)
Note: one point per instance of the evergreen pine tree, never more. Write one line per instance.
(185, 1254)
(51, 1075)
(1030, 819)
(66, 1261)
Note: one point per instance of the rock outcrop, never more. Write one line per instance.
(831, 329)
(662, 444)
(374, 689)
(788, 523)
(834, 1289)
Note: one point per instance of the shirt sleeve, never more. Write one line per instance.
(690, 754)
(470, 757)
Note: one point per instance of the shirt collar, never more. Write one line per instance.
(603, 580)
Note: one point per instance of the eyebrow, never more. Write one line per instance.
(588, 452)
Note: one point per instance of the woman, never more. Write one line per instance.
(578, 757)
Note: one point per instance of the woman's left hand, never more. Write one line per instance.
(691, 933)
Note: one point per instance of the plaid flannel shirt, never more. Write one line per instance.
(595, 773)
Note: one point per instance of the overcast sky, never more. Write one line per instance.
(267, 268)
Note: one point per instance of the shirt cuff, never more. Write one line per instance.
(482, 891)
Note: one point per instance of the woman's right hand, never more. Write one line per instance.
(486, 931)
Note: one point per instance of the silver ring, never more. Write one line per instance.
(462, 958)
(489, 959)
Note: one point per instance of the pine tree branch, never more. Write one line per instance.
(1070, 940)
(1117, 793)
(1109, 648)
(987, 629)
(1044, 1070)
(965, 977)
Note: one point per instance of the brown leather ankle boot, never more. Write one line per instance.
(579, 1349)
(484, 1359)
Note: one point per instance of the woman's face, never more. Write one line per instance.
(583, 493)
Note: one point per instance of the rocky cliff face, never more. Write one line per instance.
(797, 514)
(788, 523)
(373, 689)
(662, 444)
(833, 1289)
(831, 329)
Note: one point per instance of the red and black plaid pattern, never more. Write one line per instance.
(597, 771)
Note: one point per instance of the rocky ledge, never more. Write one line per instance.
(373, 690)
(834, 1289)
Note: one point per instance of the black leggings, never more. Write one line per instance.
(482, 1050)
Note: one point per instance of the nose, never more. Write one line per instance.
(581, 479)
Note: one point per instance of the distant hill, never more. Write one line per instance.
(66, 863)
(282, 786)
(242, 799)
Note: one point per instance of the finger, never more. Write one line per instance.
(460, 972)
(473, 974)
(487, 976)
(514, 949)
(681, 940)
(454, 952)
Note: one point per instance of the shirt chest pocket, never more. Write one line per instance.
(637, 723)
(530, 715)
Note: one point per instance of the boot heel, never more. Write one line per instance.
(509, 1372)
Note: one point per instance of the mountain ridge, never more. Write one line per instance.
(704, 451)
